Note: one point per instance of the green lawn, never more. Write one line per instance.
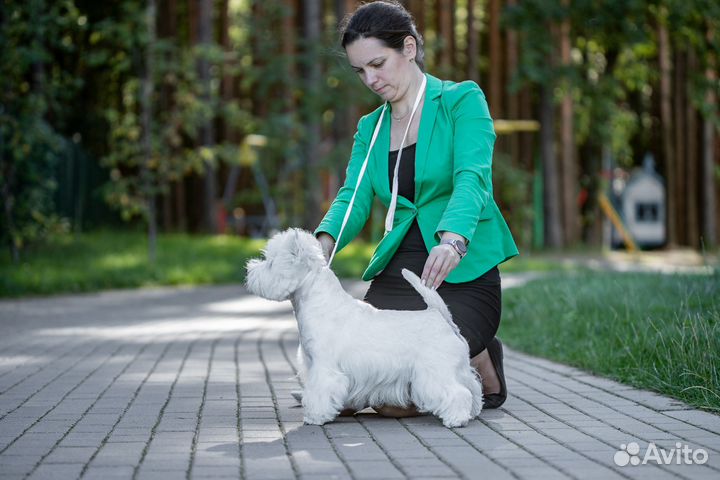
(103, 260)
(118, 259)
(658, 332)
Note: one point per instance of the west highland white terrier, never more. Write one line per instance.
(353, 355)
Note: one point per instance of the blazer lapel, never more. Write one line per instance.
(380, 158)
(427, 123)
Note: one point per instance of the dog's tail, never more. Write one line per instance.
(431, 297)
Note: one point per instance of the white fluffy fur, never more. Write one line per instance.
(356, 355)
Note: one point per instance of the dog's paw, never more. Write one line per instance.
(455, 422)
(455, 419)
(318, 419)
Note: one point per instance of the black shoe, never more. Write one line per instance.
(495, 350)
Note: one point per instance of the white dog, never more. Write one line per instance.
(358, 356)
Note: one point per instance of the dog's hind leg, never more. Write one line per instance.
(324, 396)
(473, 383)
(440, 393)
(456, 408)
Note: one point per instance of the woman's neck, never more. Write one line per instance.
(402, 106)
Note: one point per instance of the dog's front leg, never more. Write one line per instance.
(324, 395)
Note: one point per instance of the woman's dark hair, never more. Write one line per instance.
(386, 20)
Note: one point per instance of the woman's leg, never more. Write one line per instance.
(490, 381)
(397, 412)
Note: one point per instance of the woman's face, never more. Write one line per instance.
(383, 70)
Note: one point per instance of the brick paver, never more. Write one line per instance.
(195, 383)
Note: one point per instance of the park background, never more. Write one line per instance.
(160, 142)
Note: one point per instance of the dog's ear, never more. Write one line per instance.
(295, 249)
(306, 248)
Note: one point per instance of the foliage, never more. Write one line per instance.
(181, 105)
(611, 57)
(514, 186)
(276, 81)
(31, 89)
(74, 69)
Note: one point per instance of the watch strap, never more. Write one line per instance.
(455, 244)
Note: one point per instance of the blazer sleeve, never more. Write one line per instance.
(473, 142)
(362, 206)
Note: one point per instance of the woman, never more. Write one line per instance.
(442, 223)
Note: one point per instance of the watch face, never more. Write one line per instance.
(461, 246)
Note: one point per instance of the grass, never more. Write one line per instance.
(118, 259)
(652, 331)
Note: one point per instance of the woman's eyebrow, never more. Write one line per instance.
(368, 63)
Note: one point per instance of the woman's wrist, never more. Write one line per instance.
(327, 243)
(448, 236)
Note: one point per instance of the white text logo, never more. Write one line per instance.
(680, 455)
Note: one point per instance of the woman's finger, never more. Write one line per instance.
(437, 266)
(430, 270)
(451, 260)
(447, 266)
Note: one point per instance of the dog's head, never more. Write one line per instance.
(290, 257)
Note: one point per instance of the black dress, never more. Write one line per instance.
(474, 305)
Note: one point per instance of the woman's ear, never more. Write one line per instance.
(409, 47)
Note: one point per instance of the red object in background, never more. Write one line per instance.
(221, 218)
(582, 196)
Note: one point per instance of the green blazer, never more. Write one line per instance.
(453, 182)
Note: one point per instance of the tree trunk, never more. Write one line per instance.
(553, 226)
(495, 58)
(207, 133)
(147, 91)
(513, 107)
(569, 166)
(416, 8)
(8, 177)
(313, 190)
(446, 35)
(473, 45)
(227, 92)
(693, 220)
(679, 99)
(343, 122)
(167, 29)
(709, 193)
(666, 121)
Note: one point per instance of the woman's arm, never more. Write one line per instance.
(472, 181)
(474, 140)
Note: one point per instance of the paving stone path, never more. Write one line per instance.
(195, 383)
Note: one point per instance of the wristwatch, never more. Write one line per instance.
(458, 245)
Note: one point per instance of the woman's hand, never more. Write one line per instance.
(442, 260)
(327, 242)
